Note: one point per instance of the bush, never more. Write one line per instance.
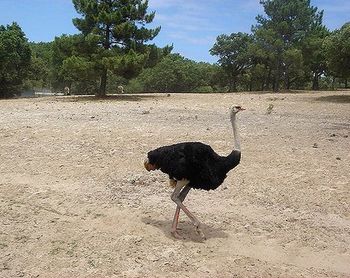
(204, 89)
(134, 86)
(15, 57)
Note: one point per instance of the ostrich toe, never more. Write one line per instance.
(200, 233)
(176, 234)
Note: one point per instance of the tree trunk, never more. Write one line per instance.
(287, 79)
(288, 82)
(106, 45)
(277, 80)
(315, 83)
(268, 79)
(234, 85)
(230, 86)
(103, 84)
(333, 83)
(346, 83)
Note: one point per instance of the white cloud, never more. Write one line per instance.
(185, 19)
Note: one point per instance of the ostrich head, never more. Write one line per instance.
(235, 109)
(149, 166)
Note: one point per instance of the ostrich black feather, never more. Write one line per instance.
(194, 161)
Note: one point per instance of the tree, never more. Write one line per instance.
(337, 47)
(40, 73)
(175, 73)
(76, 63)
(15, 57)
(263, 59)
(117, 27)
(286, 24)
(314, 53)
(233, 55)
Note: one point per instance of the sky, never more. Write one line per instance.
(190, 25)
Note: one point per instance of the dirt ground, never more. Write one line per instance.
(75, 200)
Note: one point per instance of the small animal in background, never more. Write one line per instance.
(66, 91)
(194, 165)
(120, 89)
(269, 109)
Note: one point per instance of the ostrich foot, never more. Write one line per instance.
(176, 235)
(200, 233)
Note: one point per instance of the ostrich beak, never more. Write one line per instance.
(241, 109)
(148, 166)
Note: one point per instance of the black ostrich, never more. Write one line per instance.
(194, 165)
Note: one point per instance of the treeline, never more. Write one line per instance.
(288, 48)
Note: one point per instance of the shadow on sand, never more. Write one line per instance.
(335, 98)
(186, 229)
(125, 97)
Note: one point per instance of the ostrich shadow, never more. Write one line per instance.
(335, 98)
(186, 229)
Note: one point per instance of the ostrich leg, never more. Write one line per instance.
(176, 198)
(182, 197)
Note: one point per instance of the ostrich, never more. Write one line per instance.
(66, 91)
(120, 89)
(194, 165)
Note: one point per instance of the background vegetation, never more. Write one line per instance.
(288, 48)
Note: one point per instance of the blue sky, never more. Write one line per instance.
(191, 25)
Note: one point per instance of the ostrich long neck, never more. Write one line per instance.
(236, 138)
(233, 159)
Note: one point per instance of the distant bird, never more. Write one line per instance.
(194, 165)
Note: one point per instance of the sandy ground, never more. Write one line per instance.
(75, 200)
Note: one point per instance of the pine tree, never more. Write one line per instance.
(338, 53)
(287, 23)
(15, 59)
(233, 55)
(118, 27)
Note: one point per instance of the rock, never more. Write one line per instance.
(138, 239)
(153, 258)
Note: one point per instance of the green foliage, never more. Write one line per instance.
(290, 20)
(15, 57)
(233, 55)
(135, 86)
(204, 89)
(114, 81)
(176, 74)
(286, 25)
(77, 63)
(289, 48)
(314, 53)
(40, 73)
(338, 52)
(118, 30)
